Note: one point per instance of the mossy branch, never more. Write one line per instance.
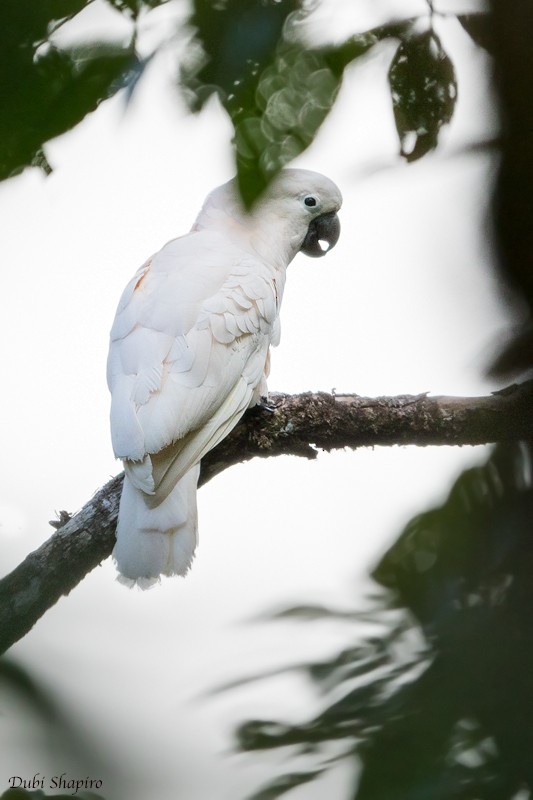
(300, 425)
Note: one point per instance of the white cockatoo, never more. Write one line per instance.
(189, 353)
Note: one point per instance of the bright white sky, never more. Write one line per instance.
(404, 304)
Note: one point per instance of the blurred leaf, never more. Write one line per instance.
(322, 673)
(309, 612)
(419, 743)
(245, 680)
(236, 40)
(26, 24)
(276, 89)
(461, 555)
(449, 713)
(512, 201)
(45, 90)
(515, 356)
(478, 27)
(16, 679)
(464, 570)
(423, 90)
(350, 663)
(53, 93)
(22, 794)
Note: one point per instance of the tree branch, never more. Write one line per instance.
(298, 425)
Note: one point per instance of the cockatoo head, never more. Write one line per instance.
(309, 202)
(297, 212)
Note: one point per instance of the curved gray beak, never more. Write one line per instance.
(322, 235)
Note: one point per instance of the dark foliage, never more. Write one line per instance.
(424, 91)
(511, 30)
(276, 88)
(479, 28)
(46, 90)
(441, 704)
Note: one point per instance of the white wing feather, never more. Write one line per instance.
(181, 344)
(188, 351)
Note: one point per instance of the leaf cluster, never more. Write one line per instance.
(440, 704)
(276, 88)
(45, 89)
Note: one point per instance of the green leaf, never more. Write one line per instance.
(276, 89)
(439, 704)
(54, 92)
(292, 99)
(423, 91)
(26, 24)
(455, 556)
(235, 40)
(309, 612)
(17, 680)
(479, 28)
(46, 90)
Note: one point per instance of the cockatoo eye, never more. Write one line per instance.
(310, 201)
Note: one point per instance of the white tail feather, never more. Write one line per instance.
(157, 541)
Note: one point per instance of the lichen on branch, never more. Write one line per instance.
(299, 425)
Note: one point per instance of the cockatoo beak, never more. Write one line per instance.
(322, 235)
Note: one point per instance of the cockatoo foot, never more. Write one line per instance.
(269, 404)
